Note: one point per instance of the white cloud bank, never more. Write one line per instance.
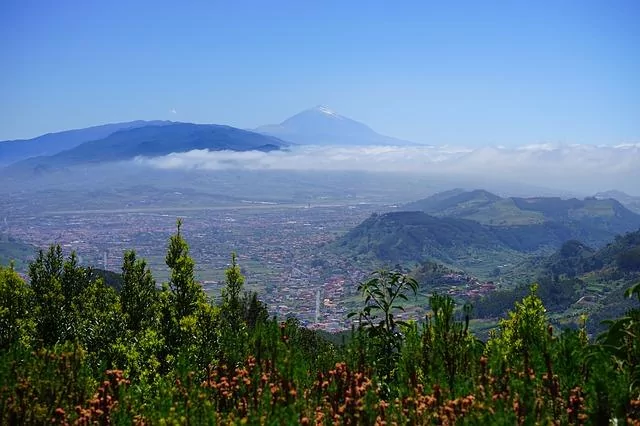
(578, 167)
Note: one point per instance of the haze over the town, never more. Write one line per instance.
(470, 73)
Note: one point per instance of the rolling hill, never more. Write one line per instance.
(456, 203)
(408, 237)
(323, 126)
(52, 143)
(413, 236)
(590, 220)
(153, 141)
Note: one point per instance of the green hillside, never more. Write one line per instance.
(16, 251)
(475, 205)
(596, 217)
(577, 280)
(410, 237)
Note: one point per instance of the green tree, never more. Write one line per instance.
(99, 321)
(622, 339)
(201, 342)
(57, 286)
(186, 292)
(241, 310)
(233, 328)
(234, 280)
(447, 345)
(139, 296)
(48, 301)
(255, 311)
(523, 334)
(74, 280)
(181, 303)
(16, 323)
(71, 304)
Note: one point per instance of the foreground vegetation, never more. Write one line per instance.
(76, 351)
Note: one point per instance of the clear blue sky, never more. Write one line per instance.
(478, 72)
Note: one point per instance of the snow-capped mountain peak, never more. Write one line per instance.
(326, 110)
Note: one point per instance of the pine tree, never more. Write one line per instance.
(231, 292)
(181, 301)
(185, 290)
(138, 297)
(50, 315)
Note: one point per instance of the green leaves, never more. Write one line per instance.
(68, 301)
(382, 290)
(138, 297)
(622, 339)
(523, 334)
(233, 287)
(380, 293)
(16, 324)
(186, 292)
(50, 317)
(635, 289)
(447, 346)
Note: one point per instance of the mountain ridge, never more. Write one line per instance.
(51, 143)
(151, 141)
(414, 236)
(490, 209)
(630, 201)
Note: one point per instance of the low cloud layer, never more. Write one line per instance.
(575, 167)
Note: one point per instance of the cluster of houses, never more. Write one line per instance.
(467, 286)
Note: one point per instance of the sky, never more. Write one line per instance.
(471, 73)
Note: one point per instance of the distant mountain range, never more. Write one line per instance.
(154, 140)
(477, 230)
(323, 126)
(121, 141)
(557, 169)
(52, 143)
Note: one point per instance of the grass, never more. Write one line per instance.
(505, 213)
